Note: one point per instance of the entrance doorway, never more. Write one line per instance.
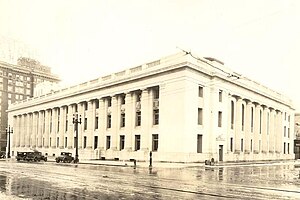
(220, 152)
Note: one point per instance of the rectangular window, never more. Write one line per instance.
(109, 101)
(242, 145)
(231, 144)
(96, 103)
(66, 125)
(107, 142)
(122, 142)
(284, 131)
(96, 122)
(200, 115)
(288, 148)
(138, 118)
(95, 142)
(200, 91)
(251, 146)
(260, 118)
(288, 132)
(154, 142)
(123, 120)
(84, 141)
(220, 95)
(199, 143)
(85, 123)
(155, 117)
(156, 92)
(284, 148)
(108, 121)
(66, 142)
(252, 114)
(137, 145)
(57, 142)
(50, 144)
(123, 99)
(85, 105)
(220, 119)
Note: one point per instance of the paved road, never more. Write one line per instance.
(69, 181)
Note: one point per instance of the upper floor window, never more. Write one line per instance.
(96, 103)
(122, 99)
(156, 92)
(109, 101)
(232, 114)
(220, 95)
(200, 91)
(200, 116)
(220, 119)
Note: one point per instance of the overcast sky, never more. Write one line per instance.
(83, 40)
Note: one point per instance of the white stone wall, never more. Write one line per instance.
(178, 78)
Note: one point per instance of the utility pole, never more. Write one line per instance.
(76, 121)
(9, 131)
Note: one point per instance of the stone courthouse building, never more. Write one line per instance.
(183, 108)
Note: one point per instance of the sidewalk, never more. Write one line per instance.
(142, 164)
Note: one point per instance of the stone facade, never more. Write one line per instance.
(182, 108)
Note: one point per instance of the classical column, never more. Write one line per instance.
(115, 121)
(102, 122)
(238, 126)
(61, 127)
(54, 127)
(129, 120)
(248, 127)
(22, 131)
(279, 133)
(16, 129)
(40, 128)
(28, 125)
(80, 126)
(47, 128)
(145, 120)
(257, 128)
(90, 123)
(264, 123)
(272, 131)
(71, 133)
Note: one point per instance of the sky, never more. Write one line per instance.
(85, 39)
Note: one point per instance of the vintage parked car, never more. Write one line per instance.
(35, 156)
(21, 156)
(65, 157)
(2, 154)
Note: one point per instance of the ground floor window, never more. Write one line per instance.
(95, 142)
(231, 144)
(66, 142)
(199, 143)
(57, 142)
(154, 142)
(122, 142)
(84, 142)
(137, 142)
(107, 142)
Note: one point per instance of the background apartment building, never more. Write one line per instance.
(182, 108)
(17, 83)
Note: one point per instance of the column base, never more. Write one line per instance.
(247, 151)
(128, 149)
(271, 152)
(237, 151)
(264, 152)
(256, 152)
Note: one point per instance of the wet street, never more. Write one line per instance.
(76, 182)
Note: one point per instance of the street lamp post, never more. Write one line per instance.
(76, 121)
(9, 131)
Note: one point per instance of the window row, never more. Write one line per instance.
(137, 142)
